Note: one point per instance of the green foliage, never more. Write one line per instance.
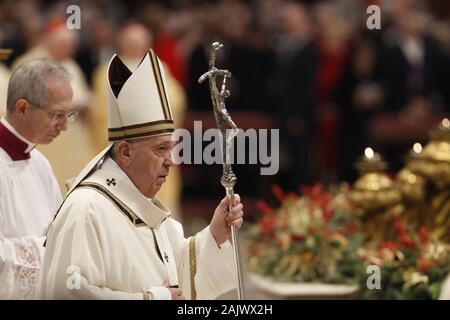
(317, 238)
(312, 238)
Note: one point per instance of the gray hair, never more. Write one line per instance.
(112, 153)
(29, 81)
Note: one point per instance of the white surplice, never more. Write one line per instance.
(120, 245)
(29, 198)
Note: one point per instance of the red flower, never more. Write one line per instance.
(399, 228)
(316, 190)
(264, 207)
(291, 196)
(297, 238)
(312, 191)
(278, 193)
(424, 264)
(327, 214)
(424, 236)
(407, 242)
(318, 198)
(351, 230)
(267, 223)
(267, 226)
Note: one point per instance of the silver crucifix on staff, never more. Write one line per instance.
(228, 130)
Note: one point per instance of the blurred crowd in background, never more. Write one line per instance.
(310, 68)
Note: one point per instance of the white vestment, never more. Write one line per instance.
(445, 291)
(121, 244)
(29, 198)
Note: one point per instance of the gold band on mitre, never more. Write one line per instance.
(141, 130)
(160, 84)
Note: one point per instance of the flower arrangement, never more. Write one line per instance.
(309, 238)
(412, 266)
(317, 238)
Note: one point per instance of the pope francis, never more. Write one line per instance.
(112, 238)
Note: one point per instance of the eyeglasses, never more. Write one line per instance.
(59, 116)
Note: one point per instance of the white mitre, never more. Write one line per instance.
(138, 105)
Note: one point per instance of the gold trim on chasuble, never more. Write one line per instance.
(119, 204)
(192, 267)
(122, 207)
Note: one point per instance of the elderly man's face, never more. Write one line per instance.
(150, 160)
(46, 122)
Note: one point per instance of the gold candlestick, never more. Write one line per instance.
(412, 188)
(434, 161)
(373, 194)
(373, 190)
(433, 165)
(410, 184)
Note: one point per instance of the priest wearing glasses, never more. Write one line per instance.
(39, 106)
